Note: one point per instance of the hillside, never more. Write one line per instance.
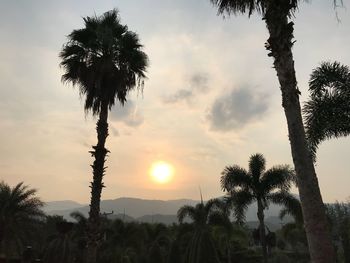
(156, 211)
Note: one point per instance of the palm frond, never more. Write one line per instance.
(219, 218)
(250, 6)
(234, 176)
(186, 211)
(104, 60)
(20, 212)
(257, 165)
(329, 79)
(239, 201)
(291, 205)
(277, 177)
(327, 112)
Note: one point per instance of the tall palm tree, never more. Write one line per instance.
(20, 215)
(105, 60)
(277, 15)
(327, 112)
(258, 185)
(201, 247)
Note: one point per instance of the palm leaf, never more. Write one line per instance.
(234, 176)
(291, 205)
(277, 177)
(327, 112)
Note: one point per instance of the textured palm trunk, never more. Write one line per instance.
(262, 233)
(280, 44)
(99, 152)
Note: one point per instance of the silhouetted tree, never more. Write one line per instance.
(339, 218)
(104, 59)
(327, 112)
(260, 185)
(277, 17)
(20, 216)
(60, 248)
(201, 247)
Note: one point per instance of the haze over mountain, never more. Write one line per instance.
(151, 211)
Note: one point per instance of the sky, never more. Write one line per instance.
(211, 99)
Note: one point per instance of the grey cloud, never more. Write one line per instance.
(128, 114)
(197, 83)
(180, 95)
(237, 109)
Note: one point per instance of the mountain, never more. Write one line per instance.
(156, 211)
(61, 205)
(132, 207)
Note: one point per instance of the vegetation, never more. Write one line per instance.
(104, 59)
(208, 234)
(201, 247)
(327, 112)
(277, 17)
(20, 214)
(339, 220)
(261, 186)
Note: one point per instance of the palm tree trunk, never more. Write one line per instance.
(99, 152)
(280, 44)
(262, 233)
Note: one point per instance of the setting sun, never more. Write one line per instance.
(161, 172)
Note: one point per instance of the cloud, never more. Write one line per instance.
(197, 84)
(115, 132)
(127, 114)
(180, 95)
(237, 109)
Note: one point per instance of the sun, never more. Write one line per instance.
(161, 172)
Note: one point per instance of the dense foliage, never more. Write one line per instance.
(205, 233)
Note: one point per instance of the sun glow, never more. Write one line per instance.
(161, 172)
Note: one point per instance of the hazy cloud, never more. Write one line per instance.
(236, 109)
(197, 83)
(128, 114)
(115, 132)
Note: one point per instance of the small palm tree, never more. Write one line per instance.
(277, 16)
(327, 112)
(105, 60)
(20, 215)
(258, 185)
(201, 247)
(60, 247)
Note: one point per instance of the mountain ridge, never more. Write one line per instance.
(145, 210)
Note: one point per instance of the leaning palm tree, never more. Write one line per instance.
(105, 60)
(277, 15)
(327, 112)
(261, 186)
(20, 216)
(201, 247)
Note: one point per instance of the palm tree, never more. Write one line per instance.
(105, 60)
(60, 248)
(201, 247)
(258, 185)
(20, 215)
(327, 112)
(277, 14)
